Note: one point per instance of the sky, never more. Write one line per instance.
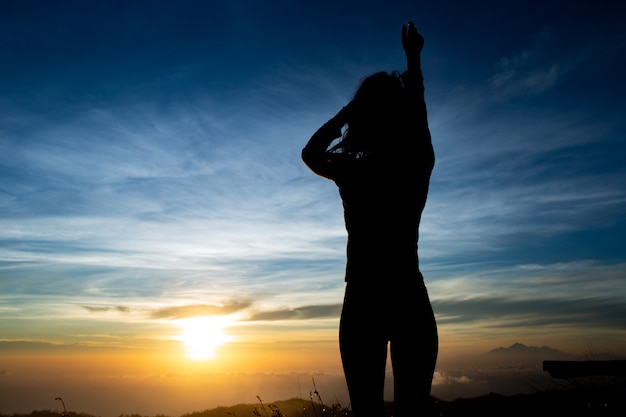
(163, 249)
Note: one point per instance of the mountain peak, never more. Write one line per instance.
(522, 348)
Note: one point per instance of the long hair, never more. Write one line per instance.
(376, 115)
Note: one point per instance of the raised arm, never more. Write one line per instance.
(413, 79)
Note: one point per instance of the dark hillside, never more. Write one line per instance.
(583, 400)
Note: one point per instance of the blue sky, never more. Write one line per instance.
(150, 166)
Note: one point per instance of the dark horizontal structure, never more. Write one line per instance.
(576, 369)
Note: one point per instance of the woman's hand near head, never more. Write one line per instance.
(343, 115)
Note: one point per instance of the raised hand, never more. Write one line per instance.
(412, 41)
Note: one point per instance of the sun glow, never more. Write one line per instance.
(202, 336)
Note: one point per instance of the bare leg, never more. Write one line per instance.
(413, 347)
(363, 347)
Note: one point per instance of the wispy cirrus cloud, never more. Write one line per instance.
(515, 79)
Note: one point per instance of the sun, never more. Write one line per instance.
(201, 336)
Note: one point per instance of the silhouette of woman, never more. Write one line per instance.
(382, 165)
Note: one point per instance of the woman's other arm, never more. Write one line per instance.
(315, 154)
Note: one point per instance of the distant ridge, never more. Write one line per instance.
(519, 354)
(520, 348)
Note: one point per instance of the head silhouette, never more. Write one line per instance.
(376, 112)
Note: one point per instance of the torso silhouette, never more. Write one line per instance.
(383, 198)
